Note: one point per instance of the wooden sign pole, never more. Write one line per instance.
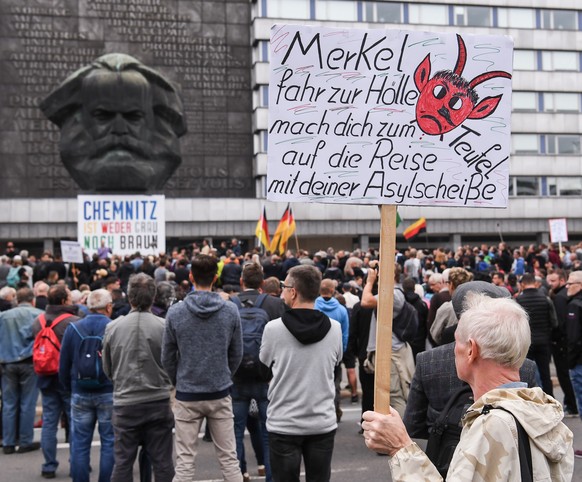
(385, 304)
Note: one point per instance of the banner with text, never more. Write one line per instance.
(125, 224)
(389, 117)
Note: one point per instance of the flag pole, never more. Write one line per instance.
(385, 305)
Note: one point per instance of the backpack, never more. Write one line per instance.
(46, 350)
(13, 277)
(90, 374)
(405, 325)
(253, 320)
(445, 434)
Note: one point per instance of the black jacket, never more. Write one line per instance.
(574, 330)
(359, 331)
(542, 315)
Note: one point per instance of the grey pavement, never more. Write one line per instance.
(352, 461)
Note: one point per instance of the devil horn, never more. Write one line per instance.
(487, 76)
(462, 58)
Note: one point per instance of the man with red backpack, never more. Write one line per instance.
(48, 329)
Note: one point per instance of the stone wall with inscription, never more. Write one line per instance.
(201, 45)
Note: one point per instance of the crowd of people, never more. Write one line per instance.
(170, 340)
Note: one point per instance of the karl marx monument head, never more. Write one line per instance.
(120, 122)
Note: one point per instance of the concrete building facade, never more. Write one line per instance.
(545, 165)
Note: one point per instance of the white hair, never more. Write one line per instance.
(6, 291)
(76, 296)
(436, 278)
(499, 326)
(98, 299)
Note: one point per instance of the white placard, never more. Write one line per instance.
(126, 223)
(372, 117)
(72, 252)
(558, 230)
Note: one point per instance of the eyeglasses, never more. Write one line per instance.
(286, 286)
(573, 283)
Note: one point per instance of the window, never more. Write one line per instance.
(563, 145)
(287, 9)
(569, 186)
(561, 186)
(559, 19)
(428, 14)
(550, 186)
(524, 186)
(525, 101)
(264, 96)
(561, 102)
(473, 16)
(525, 143)
(384, 12)
(260, 141)
(524, 60)
(516, 18)
(552, 60)
(264, 141)
(261, 51)
(335, 10)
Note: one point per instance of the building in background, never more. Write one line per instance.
(218, 52)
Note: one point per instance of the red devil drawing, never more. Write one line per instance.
(447, 99)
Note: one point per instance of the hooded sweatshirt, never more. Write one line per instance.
(489, 442)
(303, 347)
(202, 346)
(336, 311)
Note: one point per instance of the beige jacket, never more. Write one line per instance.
(488, 450)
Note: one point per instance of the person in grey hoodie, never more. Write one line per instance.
(302, 348)
(202, 348)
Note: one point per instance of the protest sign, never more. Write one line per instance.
(71, 252)
(388, 117)
(125, 223)
(558, 230)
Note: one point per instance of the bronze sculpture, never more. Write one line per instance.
(120, 125)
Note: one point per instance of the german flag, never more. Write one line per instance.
(415, 229)
(262, 230)
(284, 231)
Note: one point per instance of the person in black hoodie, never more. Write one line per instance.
(418, 344)
(302, 348)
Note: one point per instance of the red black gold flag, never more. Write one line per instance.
(415, 229)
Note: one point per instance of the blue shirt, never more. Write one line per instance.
(16, 338)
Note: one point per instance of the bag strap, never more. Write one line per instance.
(78, 331)
(55, 322)
(259, 301)
(444, 418)
(525, 462)
(60, 318)
(237, 302)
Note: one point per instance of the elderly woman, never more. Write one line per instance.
(492, 340)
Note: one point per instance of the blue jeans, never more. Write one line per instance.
(54, 402)
(576, 377)
(242, 394)
(19, 393)
(86, 409)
